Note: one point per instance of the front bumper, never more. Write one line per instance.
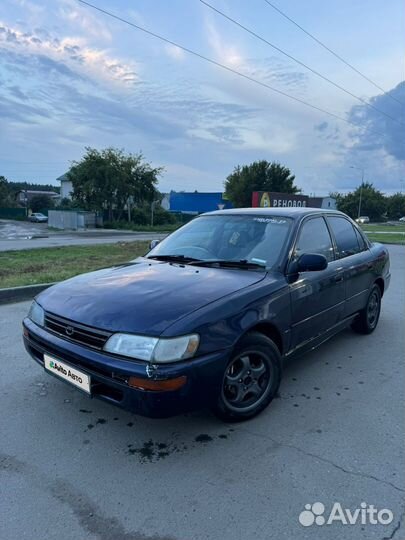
(109, 375)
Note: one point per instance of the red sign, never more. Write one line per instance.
(271, 199)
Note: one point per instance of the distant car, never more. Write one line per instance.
(37, 217)
(402, 218)
(363, 219)
(206, 317)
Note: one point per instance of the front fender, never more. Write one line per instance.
(222, 323)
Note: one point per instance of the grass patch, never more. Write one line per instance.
(383, 227)
(125, 226)
(46, 265)
(390, 238)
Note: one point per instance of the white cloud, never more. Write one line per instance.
(174, 52)
(80, 17)
(72, 52)
(226, 54)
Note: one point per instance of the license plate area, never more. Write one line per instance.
(67, 373)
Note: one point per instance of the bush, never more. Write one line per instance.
(163, 217)
(140, 216)
(39, 202)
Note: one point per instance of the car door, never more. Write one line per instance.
(317, 298)
(355, 257)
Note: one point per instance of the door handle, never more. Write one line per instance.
(338, 278)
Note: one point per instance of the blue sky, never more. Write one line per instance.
(71, 77)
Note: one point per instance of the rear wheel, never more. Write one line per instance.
(367, 320)
(251, 379)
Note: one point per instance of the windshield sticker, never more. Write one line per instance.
(234, 238)
(258, 261)
(278, 221)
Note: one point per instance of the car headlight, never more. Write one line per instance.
(36, 314)
(153, 349)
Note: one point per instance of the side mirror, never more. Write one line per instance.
(153, 244)
(311, 262)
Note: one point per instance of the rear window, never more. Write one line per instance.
(347, 241)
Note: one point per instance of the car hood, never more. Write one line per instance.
(144, 297)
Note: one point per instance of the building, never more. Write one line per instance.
(322, 202)
(24, 196)
(289, 200)
(72, 219)
(195, 202)
(66, 187)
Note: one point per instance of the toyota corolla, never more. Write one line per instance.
(206, 318)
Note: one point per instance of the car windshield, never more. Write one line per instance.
(238, 238)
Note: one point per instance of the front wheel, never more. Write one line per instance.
(367, 320)
(251, 379)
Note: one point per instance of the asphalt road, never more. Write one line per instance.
(16, 235)
(75, 468)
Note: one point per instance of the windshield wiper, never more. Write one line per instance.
(174, 258)
(243, 263)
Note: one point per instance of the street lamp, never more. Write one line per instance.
(361, 186)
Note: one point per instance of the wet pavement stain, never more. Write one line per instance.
(153, 451)
(203, 438)
(101, 421)
(130, 424)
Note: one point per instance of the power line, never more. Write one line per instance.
(317, 73)
(333, 52)
(223, 66)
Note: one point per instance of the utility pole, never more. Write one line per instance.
(152, 207)
(129, 200)
(361, 187)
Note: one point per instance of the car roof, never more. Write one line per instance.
(291, 212)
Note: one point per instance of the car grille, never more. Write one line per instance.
(78, 333)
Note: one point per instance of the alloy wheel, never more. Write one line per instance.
(246, 380)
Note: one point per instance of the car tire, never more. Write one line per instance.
(251, 379)
(367, 320)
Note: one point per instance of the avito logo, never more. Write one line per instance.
(365, 514)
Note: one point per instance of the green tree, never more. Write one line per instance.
(258, 176)
(7, 198)
(3, 191)
(109, 179)
(396, 206)
(41, 202)
(373, 202)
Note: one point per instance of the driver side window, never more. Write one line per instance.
(314, 237)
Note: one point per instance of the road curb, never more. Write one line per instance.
(18, 294)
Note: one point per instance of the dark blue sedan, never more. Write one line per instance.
(206, 318)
